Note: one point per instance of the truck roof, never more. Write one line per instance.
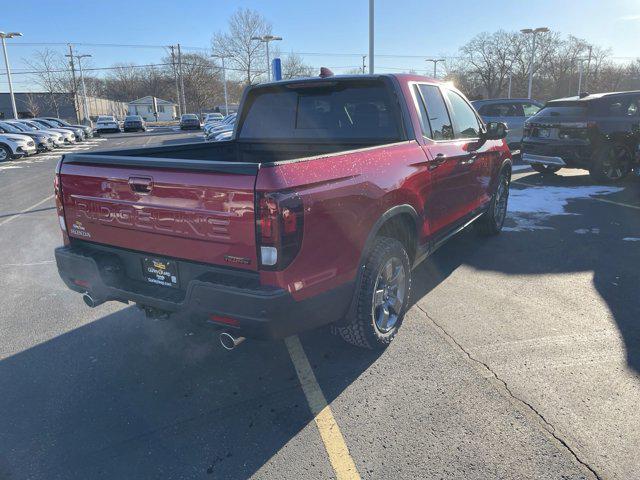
(403, 77)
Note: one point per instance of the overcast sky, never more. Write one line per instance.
(326, 32)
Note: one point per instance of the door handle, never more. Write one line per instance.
(141, 184)
(437, 161)
(469, 159)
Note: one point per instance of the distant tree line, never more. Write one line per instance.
(486, 62)
(481, 70)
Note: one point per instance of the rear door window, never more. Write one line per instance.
(437, 113)
(530, 109)
(465, 122)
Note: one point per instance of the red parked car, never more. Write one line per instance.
(331, 192)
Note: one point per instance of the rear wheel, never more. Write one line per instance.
(611, 163)
(545, 169)
(490, 223)
(383, 296)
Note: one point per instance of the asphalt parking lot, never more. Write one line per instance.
(520, 358)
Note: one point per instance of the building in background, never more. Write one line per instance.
(62, 105)
(167, 110)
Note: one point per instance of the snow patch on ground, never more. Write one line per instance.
(530, 207)
(631, 239)
(583, 231)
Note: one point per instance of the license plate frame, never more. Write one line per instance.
(160, 271)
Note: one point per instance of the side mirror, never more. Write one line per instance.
(495, 131)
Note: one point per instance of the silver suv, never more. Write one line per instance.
(512, 112)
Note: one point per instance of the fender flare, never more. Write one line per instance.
(368, 244)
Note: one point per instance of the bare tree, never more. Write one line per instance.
(49, 66)
(293, 66)
(31, 104)
(248, 56)
(488, 58)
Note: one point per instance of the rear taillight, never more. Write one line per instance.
(57, 189)
(279, 226)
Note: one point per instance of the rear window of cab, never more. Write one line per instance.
(361, 110)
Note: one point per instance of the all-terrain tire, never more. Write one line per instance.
(490, 223)
(362, 329)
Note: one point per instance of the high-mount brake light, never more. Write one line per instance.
(279, 225)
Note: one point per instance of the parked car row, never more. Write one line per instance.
(220, 130)
(24, 137)
(599, 132)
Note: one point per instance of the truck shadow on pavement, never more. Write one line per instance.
(588, 236)
(129, 397)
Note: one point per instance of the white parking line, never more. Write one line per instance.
(8, 219)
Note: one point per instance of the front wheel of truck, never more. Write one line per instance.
(490, 223)
(382, 298)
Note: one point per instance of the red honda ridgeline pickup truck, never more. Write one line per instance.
(332, 190)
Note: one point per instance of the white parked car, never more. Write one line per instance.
(107, 123)
(67, 135)
(14, 146)
(224, 136)
(213, 118)
(56, 137)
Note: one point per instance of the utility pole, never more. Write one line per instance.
(87, 117)
(85, 106)
(533, 32)
(435, 65)
(184, 100)
(510, 79)
(371, 35)
(224, 80)
(72, 64)
(364, 57)
(588, 68)
(266, 39)
(4, 36)
(175, 76)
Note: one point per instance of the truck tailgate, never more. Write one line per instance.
(199, 211)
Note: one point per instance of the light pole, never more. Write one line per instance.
(533, 32)
(4, 36)
(224, 81)
(266, 39)
(435, 64)
(371, 35)
(510, 79)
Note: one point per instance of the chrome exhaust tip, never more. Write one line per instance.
(90, 301)
(229, 341)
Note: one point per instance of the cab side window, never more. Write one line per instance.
(437, 114)
(466, 122)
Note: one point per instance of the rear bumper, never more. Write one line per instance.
(575, 154)
(260, 312)
(543, 159)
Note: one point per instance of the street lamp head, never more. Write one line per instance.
(526, 30)
(541, 30)
(10, 34)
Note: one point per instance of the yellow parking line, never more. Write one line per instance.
(15, 215)
(334, 444)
